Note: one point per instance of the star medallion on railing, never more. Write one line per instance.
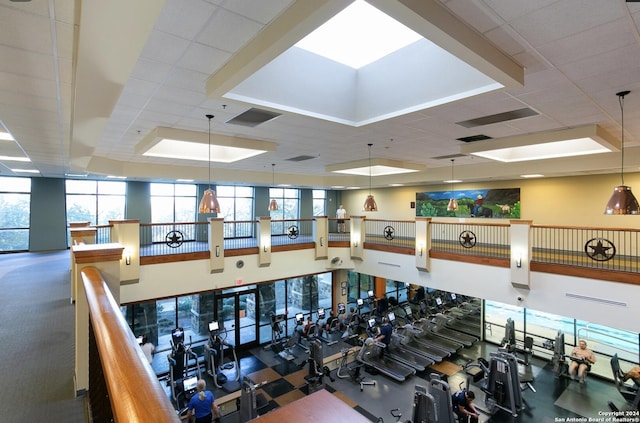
(467, 239)
(600, 249)
(174, 239)
(388, 232)
(292, 232)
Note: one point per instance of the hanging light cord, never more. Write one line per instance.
(370, 168)
(209, 163)
(452, 160)
(621, 101)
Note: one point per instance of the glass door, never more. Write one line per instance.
(238, 312)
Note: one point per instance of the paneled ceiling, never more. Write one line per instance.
(83, 82)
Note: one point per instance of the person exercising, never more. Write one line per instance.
(386, 331)
(463, 406)
(633, 374)
(330, 320)
(582, 360)
(148, 349)
(202, 406)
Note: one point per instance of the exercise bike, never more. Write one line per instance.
(215, 361)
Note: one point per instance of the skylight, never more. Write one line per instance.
(358, 36)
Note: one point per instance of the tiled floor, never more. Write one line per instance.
(554, 398)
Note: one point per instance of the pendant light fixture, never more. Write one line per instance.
(622, 200)
(453, 204)
(209, 202)
(370, 203)
(273, 205)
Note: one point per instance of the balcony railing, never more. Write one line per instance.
(600, 249)
(471, 239)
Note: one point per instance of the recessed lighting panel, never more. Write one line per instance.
(185, 150)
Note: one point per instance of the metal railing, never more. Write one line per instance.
(173, 238)
(611, 249)
(595, 248)
(481, 239)
(291, 231)
(396, 233)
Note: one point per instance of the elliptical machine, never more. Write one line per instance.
(183, 367)
(214, 359)
(280, 344)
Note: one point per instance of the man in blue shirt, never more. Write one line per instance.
(386, 331)
(463, 406)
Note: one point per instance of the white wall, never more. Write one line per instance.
(547, 292)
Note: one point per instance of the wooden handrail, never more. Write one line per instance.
(134, 390)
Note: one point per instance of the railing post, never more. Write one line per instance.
(105, 257)
(264, 244)
(88, 236)
(127, 234)
(216, 244)
(520, 234)
(357, 234)
(321, 236)
(423, 243)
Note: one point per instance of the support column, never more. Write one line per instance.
(321, 236)
(423, 243)
(520, 234)
(357, 234)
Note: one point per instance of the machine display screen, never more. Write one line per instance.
(213, 326)
(360, 301)
(341, 308)
(391, 316)
(139, 340)
(189, 383)
(299, 317)
(370, 293)
(372, 323)
(321, 313)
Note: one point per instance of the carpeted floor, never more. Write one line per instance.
(37, 335)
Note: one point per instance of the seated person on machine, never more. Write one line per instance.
(581, 360)
(330, 320)
(633, 374)
(463, 407)
(304, 330)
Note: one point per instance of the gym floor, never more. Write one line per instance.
(554, 400)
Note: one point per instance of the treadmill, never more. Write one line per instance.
(452, 335)
(411, 343)
(457, 324)
(397, 351)
(426, 337)
(369, 356)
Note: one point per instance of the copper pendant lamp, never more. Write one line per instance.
(209, 202)
(273, 205)
(622, 201)
(370, 203)
(453, 204)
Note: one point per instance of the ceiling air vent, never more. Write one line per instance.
(497, 118)
(301, 158)
(253, 117)
(449, 156)
(473, 138)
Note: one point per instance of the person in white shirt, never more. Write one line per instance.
(341, 215)
(148, 349)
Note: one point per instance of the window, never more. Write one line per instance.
(319, 202)
(358, 286)
(173, 203)
(236, 207)
(96, 202)
(288, 208)
(15, 203)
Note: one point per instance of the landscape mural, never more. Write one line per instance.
(494, 203)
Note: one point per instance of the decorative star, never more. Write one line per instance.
(599, 250)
